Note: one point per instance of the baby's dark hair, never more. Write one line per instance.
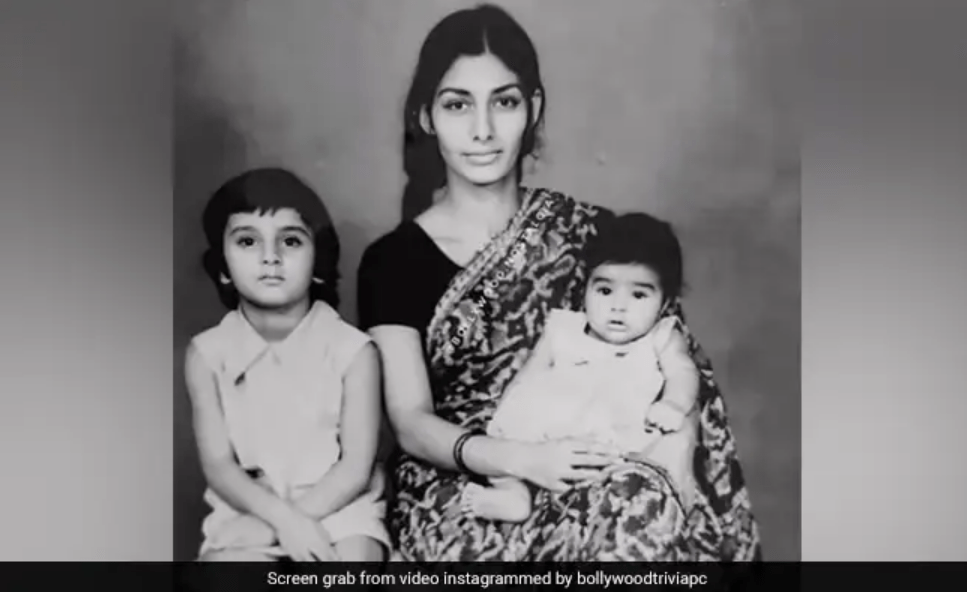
(267, 190)
(639, 239)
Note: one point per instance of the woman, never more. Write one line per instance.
(455, 298)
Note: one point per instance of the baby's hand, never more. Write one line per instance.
(245, 531)
(664, 418)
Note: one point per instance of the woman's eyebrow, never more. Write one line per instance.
(465, 93)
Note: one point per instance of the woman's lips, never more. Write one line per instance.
(482, 158)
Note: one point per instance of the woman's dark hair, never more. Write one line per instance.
(469, 32)
(267, 190)
(639, 239)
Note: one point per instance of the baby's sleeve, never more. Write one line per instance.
(561, 327)
(551, 330)
(670, 357)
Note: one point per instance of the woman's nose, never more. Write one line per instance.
(483, 129)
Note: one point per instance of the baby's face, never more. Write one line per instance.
(622, 301)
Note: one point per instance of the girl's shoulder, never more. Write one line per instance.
(333, 334)
(212, 343)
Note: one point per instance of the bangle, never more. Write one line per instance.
(458, 449)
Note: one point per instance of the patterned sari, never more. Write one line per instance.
(482, 331)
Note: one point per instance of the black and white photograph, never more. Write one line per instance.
(511, 281)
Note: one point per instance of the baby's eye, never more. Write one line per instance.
(639, 295)
(604, 290)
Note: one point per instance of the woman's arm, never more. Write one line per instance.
(224, 475)
(358, 436)
(409, 405)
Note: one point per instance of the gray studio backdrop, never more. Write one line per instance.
(680, 108)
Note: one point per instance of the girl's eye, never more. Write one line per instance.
(292, 241)
(246, 241)
(508, 102)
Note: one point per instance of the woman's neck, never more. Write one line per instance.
(488, 208)
(275, 324)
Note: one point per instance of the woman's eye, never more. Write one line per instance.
(454, 105)
(508, 102)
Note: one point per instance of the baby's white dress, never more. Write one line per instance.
(594, 390)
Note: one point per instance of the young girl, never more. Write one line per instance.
(285, 394)
(596, 375)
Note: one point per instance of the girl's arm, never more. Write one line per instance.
(358, 436)
(225, 477)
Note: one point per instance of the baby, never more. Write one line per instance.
(618, 373)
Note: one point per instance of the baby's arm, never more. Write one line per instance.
(682, 384)
(223, 474)
(358, 437)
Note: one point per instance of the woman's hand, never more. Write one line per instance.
(245, 531)
(553, 464)
(304, 539)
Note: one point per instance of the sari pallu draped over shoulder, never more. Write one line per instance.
(482, 331)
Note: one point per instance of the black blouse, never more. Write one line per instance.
(401, 278)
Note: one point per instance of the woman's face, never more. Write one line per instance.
(479, 116)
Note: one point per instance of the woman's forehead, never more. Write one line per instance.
(482, 73)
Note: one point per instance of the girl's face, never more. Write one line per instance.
(623, 301)
(479, 116)
(270, 257)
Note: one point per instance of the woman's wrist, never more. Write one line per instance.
(496, 457)
(458, 449)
